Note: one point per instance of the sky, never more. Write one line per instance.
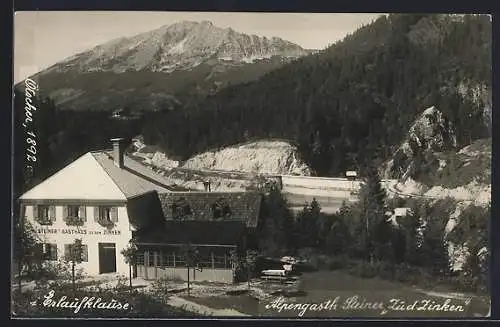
(43, 38)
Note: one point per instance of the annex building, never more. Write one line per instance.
(106, 198)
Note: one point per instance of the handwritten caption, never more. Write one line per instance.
(92, 302)
(31, 89)
(357, 303)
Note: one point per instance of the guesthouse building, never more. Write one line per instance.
(106, 198)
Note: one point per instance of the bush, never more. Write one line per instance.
(58, 270)
(408, 274)
(161, 286)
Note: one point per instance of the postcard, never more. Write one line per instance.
(186, 165)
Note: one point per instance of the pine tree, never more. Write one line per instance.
(375, 227)
(276, 226)
(306, 227)
(338, 239)
(434, 250)
(410, 226)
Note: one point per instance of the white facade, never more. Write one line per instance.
(98, 190)
(91, 233)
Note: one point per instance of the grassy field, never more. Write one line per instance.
(353, 297)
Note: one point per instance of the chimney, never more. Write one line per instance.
(118, 150)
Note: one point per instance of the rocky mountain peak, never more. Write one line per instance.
(179, 46)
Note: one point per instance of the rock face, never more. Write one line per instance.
(463, 175)
(266, 157)
(183, 46)
(431, 132)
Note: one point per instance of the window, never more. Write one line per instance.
(69, 248)
(181, 209)
(74, 215)
(153, 258)
(44, 214)
(106, 216)
(105, 213)
(180, 260)
(168, 260)
(73, 211)
(220, 209)
(139, 259)
(48, 251)
(205, 261)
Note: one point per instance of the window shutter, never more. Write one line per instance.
(82, 211)
(114, 214)
(35, 212)
(96, 214)
(85, 253)
(52, 213)
(67, 251)
(65, 212)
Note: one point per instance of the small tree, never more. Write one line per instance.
(237, 265)
(25, 245)
(192, 255)
(372, 213)
(250, 262)
(130, 255)
(76, 253)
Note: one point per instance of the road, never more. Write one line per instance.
(328, 204)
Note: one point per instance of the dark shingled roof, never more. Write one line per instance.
(195, 232)
(212, 206)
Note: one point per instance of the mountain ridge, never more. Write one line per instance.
(167, 67)
(333, 103)
(170, 44)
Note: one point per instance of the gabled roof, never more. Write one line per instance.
(94, 176)
(195, 232)
(134, 178)
(243, 206)
(83, 179)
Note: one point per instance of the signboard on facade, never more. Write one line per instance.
(76, 231)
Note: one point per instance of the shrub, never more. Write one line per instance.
(55, 270)
(160, 286)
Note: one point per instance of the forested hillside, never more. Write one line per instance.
(354, 100)
(60, 137)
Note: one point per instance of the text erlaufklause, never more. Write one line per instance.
(50, 301)
(356, 302)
